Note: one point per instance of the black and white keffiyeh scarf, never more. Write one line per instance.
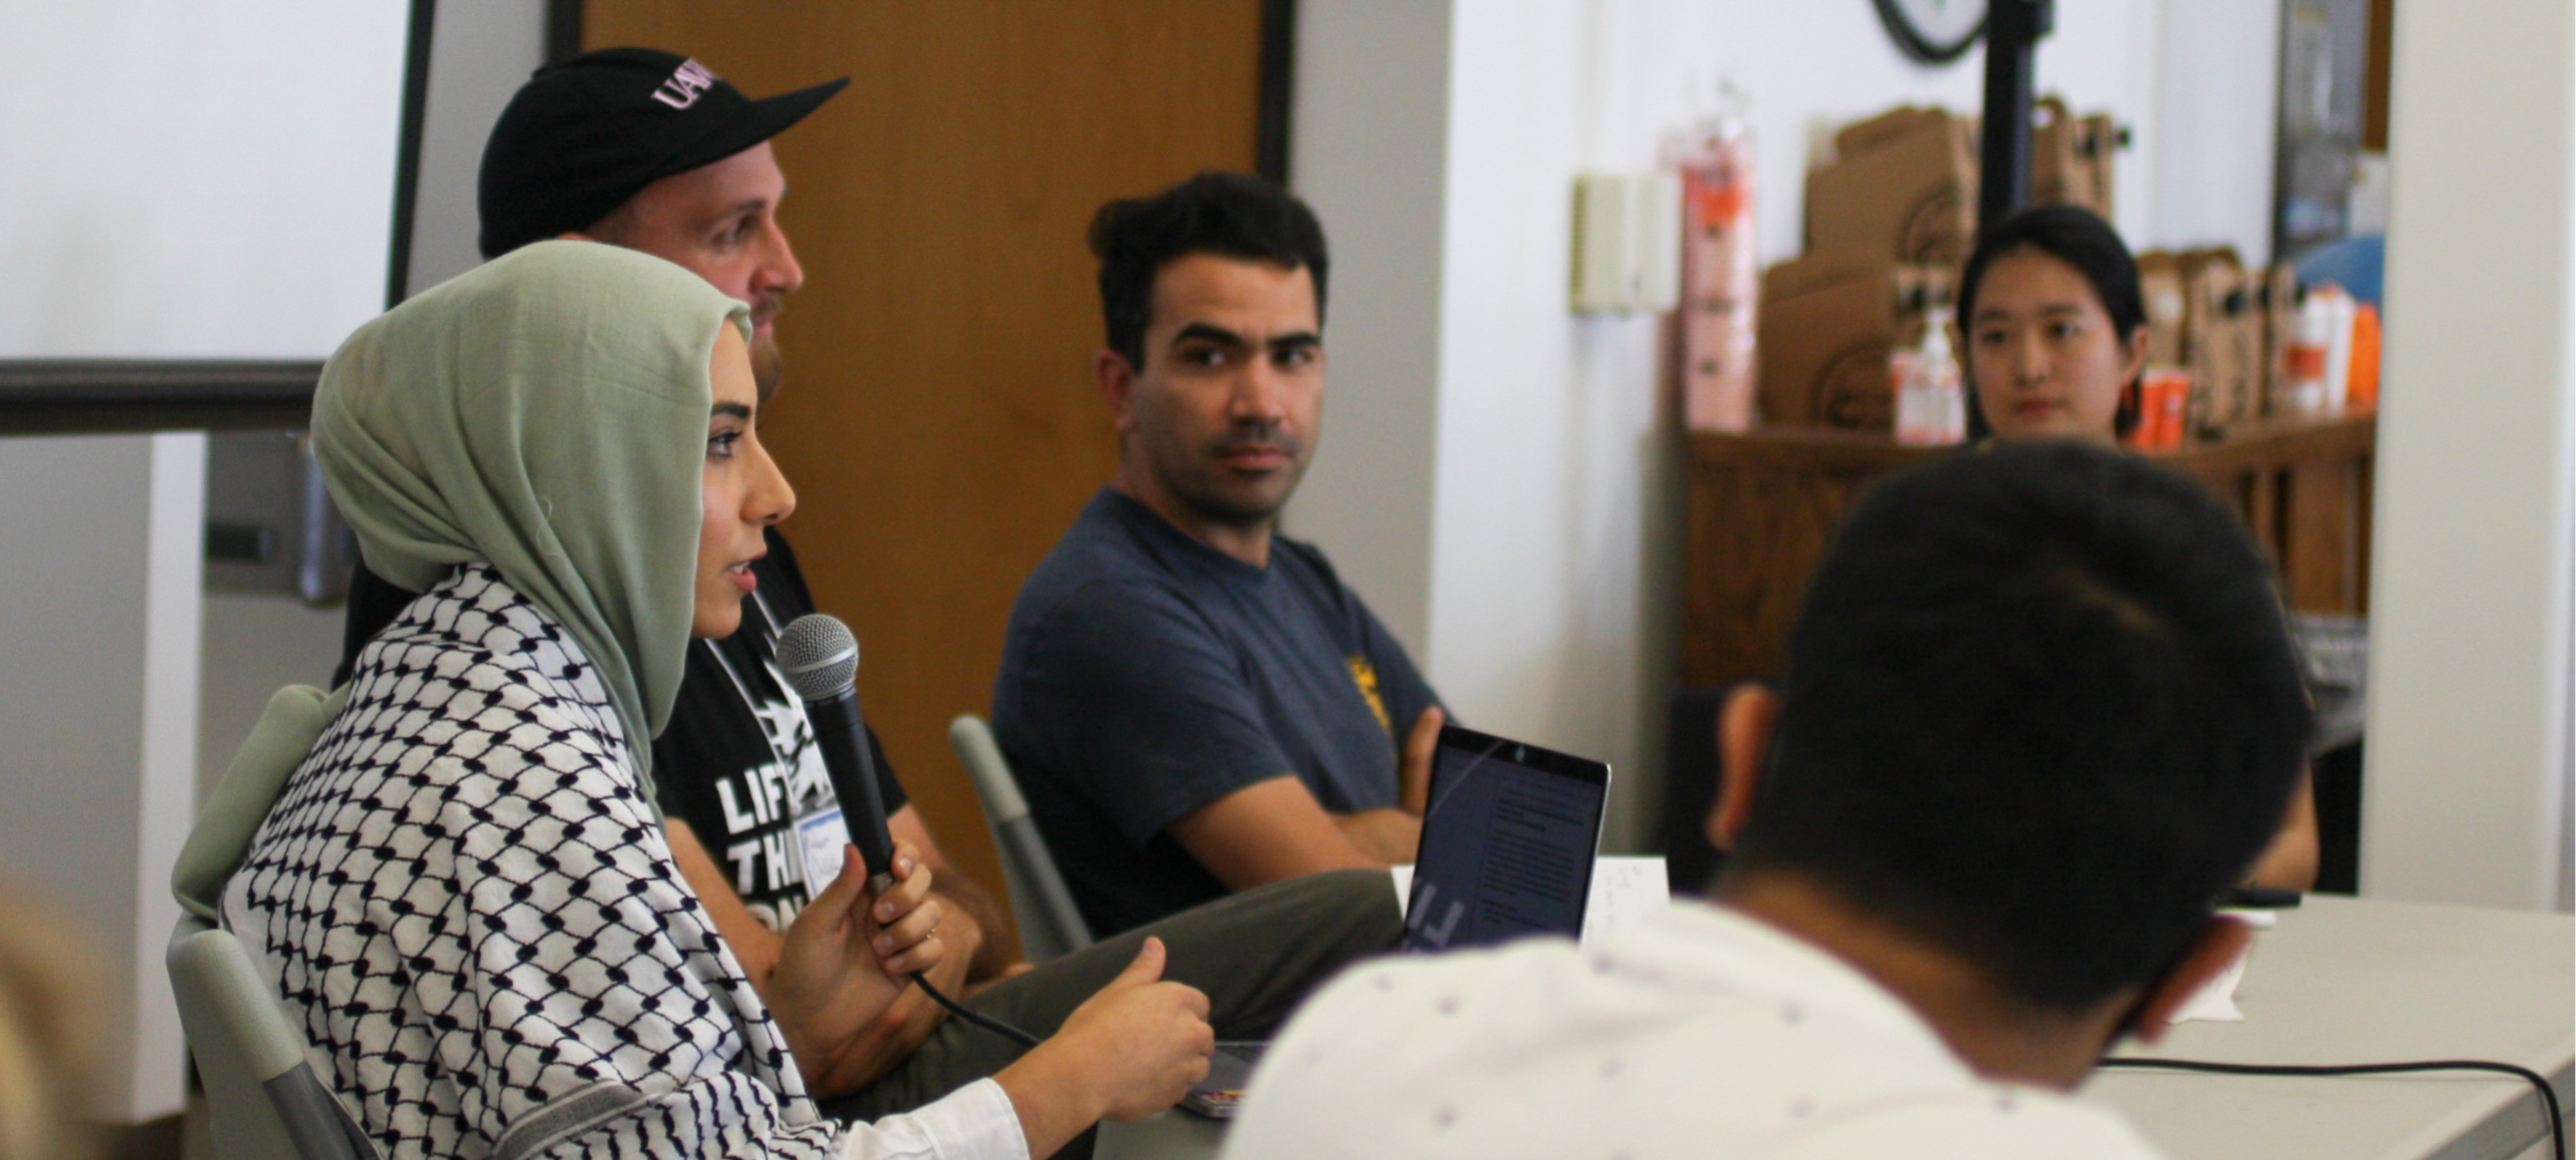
(473, 908)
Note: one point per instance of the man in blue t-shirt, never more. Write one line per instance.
(1193, 703)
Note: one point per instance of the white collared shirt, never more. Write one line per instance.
(1704, 1033)
(975, 1122)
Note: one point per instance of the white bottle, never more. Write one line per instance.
(1931, 410)
(2320, 355)
(2341, 307)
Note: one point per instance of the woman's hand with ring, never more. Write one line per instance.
(906, 917)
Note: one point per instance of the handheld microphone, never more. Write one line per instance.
(820, 658)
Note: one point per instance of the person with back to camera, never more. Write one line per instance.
(2040, 710)
(2056, 339)
(456, 879)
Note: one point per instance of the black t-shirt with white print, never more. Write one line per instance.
(738, 763)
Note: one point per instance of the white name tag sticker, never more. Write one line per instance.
(821, 840)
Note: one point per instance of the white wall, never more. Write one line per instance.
(2466, 795)
(91, 711)
(1498, 477)
(1371, 138)
(176, 180)
(2212, 173)
(483, 51)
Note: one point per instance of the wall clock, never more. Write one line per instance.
(1933, 31)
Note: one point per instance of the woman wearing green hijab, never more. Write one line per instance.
(461, 885)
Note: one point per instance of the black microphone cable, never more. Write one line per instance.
(977, 1018)
(2548, 1094)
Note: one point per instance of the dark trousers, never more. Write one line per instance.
(1255, 954)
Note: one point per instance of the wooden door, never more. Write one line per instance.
(938, 419)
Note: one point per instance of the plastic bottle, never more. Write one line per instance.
(2362, 391)
(2320, 354)
(2338, 346)
(1720, 279)
(1931, 409)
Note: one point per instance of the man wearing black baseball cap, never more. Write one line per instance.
(652, 151)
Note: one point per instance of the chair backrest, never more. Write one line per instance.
(264, 1100)
(1050, 923)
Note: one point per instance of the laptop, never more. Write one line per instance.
(1509, 835)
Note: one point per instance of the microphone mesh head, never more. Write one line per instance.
(819, 656)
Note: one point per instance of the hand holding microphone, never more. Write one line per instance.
(820, 659)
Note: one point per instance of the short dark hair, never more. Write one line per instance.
(2041, 710)
(2080, 238)
(1235, 215)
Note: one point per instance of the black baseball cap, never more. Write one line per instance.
(585, 133)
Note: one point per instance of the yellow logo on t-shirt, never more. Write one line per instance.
(1364, 675)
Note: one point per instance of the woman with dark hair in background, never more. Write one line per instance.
(2055, 325)
(2056, 329)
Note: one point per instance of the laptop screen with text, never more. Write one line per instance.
(1508, 838)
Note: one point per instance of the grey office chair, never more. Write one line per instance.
(264, 1100)
(1050, 924)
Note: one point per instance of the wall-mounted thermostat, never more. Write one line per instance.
(1627, 242)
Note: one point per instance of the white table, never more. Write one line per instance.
(2346, 980)
(2340, 980)
(1171, 1135)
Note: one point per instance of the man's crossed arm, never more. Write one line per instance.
(1275, 829)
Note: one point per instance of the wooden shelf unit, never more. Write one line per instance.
(1762, 506)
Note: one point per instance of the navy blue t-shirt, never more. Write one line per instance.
(1147, 674)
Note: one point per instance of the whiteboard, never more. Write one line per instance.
(181, 179)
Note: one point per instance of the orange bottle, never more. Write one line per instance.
(2363, 394)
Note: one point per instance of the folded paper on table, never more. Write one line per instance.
(1625, 891)
(2216, 1002)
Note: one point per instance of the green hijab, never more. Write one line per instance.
(545, 414)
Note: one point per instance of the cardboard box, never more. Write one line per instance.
(2168, 302)
(1904, 183)
(1903, 189)
(2099, 139)
(1827, 325)
(2070, 157)
(2278, 304)
(1895, 125)
(2205, 316)
(2221, 340)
